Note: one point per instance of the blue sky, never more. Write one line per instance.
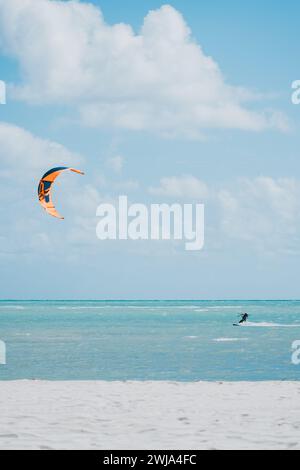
(245, 150)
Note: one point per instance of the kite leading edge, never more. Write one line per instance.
(45, 189)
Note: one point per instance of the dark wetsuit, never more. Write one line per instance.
(244, 318)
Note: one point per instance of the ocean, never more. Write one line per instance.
(149, 340)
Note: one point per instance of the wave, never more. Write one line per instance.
(229, 340)
(226, 307)
(79, 308)
(108, 307)
(268, 325)
(12, 307)
(132, 307)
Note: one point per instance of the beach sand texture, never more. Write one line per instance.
(149, 415)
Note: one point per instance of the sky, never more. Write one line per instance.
(163, 102)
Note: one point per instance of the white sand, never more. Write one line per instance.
(149, 415)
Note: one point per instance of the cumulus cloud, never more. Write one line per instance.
(116, 163)
(264, 211)
(126, 186)
(24, 158)
(184, 187)
(21, 151)
(159, 79)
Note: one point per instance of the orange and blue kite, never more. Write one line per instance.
(45, 189)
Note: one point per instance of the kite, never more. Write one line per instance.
(45, 188)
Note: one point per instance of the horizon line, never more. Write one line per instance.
(151, 300)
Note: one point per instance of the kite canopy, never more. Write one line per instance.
(45, 188)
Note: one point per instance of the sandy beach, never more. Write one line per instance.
(149, 415)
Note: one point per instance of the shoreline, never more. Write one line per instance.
(177, 382)
(135, 415)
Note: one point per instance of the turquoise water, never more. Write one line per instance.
(182, 341)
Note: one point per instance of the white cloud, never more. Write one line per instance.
(126, 185)
(21, 151)
(24, 158)
(264, 211)
(185, 187)
(116, 163)
(159, 79)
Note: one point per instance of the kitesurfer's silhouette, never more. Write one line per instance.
(244, 318)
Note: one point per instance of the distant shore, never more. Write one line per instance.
(149, 415)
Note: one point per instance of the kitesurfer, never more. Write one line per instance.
(244, 318)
